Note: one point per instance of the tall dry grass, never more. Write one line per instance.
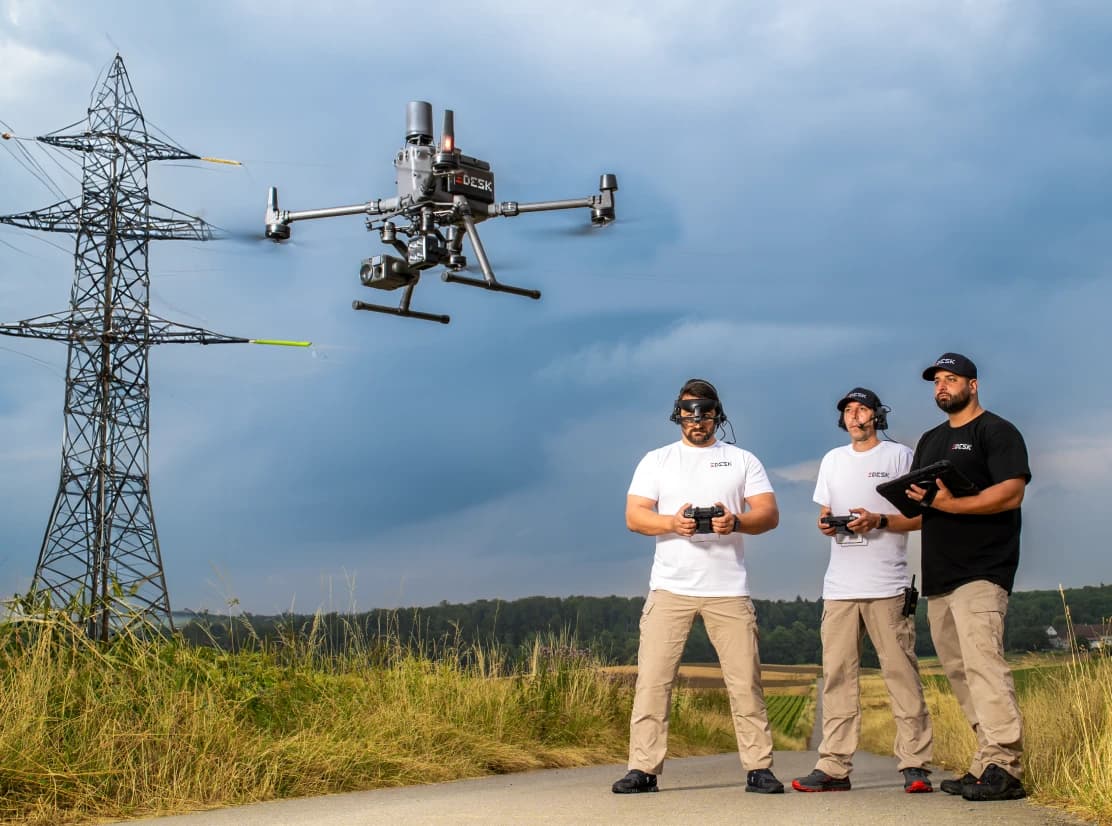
(1067, 722)
(1066, 703)
(141, 727)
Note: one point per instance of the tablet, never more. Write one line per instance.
(895, 491)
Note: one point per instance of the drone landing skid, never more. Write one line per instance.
(403, 309)
(493, 286)
(382, 308)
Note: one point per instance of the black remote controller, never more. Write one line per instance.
(702, 517)
(839, 523)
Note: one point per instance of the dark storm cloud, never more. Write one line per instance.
(812, 197)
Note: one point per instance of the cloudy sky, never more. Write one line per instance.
(813, 196)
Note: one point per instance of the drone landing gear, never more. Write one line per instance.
(402, 310)
(488, 281)
(493, 286)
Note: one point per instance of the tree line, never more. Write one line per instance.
(608, 626)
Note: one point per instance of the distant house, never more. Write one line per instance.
(1092, 637)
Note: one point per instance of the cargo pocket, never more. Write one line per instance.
(647, 608)
(987, 631)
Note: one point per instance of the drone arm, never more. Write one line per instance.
(512, 208)
(376, 207)
(601, 205)
(277, 226)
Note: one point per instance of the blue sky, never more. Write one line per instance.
(813, 196)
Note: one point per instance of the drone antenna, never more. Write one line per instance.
(448, 133)
(446, 159)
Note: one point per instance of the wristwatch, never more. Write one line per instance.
(883, 522)
(737, 524)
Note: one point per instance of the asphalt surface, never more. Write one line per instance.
(702, 790)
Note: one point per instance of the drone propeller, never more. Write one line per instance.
(581, 230)
(252, 236)
(578, 230)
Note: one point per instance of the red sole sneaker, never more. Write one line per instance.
(800, 788)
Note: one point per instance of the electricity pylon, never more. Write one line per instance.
(100, 556)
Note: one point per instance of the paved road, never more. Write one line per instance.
(703, 790)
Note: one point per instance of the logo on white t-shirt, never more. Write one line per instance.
(720, 464)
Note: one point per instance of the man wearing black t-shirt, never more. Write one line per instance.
(970, 555)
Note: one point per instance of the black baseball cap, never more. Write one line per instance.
(861, 395)
(956, 363)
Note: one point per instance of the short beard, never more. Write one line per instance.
(956, 404)
(696, 437)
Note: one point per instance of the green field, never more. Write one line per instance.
(784, 711)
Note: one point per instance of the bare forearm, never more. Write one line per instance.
(758, 521)
(647, 522)
(901, 524)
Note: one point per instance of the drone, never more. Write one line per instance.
(442, 195)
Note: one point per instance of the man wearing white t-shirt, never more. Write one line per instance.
(864, 591)
(699, 569)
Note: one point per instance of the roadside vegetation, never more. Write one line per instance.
(1066, 701)
(154, 726)
(138, 727)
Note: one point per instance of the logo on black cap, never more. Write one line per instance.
(953, 362)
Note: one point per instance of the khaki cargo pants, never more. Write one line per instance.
(731, 624)
(844, 623)
(967, 626)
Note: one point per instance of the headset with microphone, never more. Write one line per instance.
(870, 400)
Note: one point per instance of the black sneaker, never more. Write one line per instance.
(763, 781)
(917, 780)
(956, 786)
(820, 781)
(635, 781)
(995, 784)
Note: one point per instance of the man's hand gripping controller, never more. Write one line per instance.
(702, 517)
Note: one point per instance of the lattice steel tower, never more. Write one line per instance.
(100, 555)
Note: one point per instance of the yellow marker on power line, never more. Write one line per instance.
(274, 342)
(222, 160)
